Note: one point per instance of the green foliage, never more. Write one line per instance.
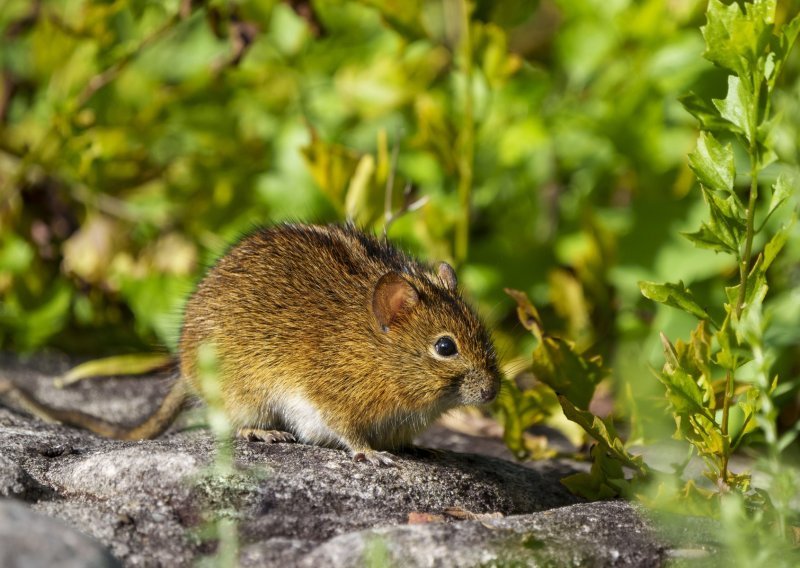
(741, 42)
(573, 376)
(720, 385)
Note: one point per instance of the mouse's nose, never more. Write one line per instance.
(490, 392)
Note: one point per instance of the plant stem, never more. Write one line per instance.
(744, 263)
(726, 405)
(466, 139)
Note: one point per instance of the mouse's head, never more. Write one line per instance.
(442, 347)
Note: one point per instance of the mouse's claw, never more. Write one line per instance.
(268, 436)
(384, 459)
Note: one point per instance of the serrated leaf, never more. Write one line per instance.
(136, 364)
(674, 295)
(727, 218)
(683, 394)
(705, 435)
(519, 410)
(775, 244)
(781, 191)
(670, 354)
(606, 478)
(728, 212)
(725, 357)
(706, 238)
(735, 106)
(705, 112)
(526, 312)
(686, 374)
(694, 358)
(726, 228)
(734, 39)
(557, 364)
(749, 406)
(781, 47)
(712, 163)
(604, 434)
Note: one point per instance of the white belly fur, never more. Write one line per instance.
(305, 421)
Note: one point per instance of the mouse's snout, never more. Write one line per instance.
(480, 387)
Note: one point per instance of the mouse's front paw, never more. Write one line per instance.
(268, 436)
(384, 459)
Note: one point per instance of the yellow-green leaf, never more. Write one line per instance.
(135, 364)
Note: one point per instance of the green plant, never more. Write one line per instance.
(720, 386)
(743, 42)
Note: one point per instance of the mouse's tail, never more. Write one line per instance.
(150, 427)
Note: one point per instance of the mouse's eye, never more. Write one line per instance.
(445, 346)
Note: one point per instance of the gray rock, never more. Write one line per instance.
(611, 533)
(166, 502)
(31, 540)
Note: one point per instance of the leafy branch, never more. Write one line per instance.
(574, 376)
(743, 42)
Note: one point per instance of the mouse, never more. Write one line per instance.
(325, 335)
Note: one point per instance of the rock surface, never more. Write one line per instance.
(28, 539)
(158, 502)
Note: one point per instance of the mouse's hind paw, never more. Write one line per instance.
(381, 459)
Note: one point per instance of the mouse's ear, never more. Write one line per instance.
(447, 276)
(393, 295)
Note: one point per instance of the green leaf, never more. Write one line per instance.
(519, 410)
(726, 228)
(685, 374)
(705, 434)
(736, 40)
(683, 394)
(693, 358)
(526, 312)
(748, 406)
(725, 357)
(781, 191)
(605, 480)
(559, 366)
(775, 244)
(670, 353)
(136, 364)
(706, 238)
(712, 163)
(675, 295)
(756, 284)
(727, 218)
(705, 112)
(736, 105)
(728, 213)
(604, 433)
(781, 47)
